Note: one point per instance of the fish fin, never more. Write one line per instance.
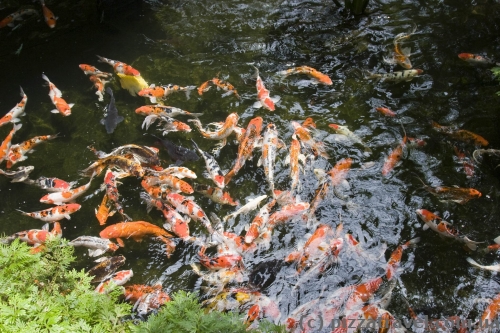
(287, 161)
(102, 122)
(257, 104)
(425, 226)
(275, 99)
(96, 252)
(167, 226)
(71, 105)
(45, 226)
(101, 259)
(67, 216)
(259, 162)
(152, 99)
(406, 51)
(472, 262)
(15, 120)
(54, 111)
(497, 240)
(119, 119)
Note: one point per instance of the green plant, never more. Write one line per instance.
(496, 73)
(38, 293)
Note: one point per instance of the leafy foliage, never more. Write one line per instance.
(38, 293)
(496, 73)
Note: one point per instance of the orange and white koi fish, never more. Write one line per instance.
(491, 312)
(56, 97)
(111, 185)
(176, 184)
(401, 55)
(36, 236)
(270, 144)
(395, 258)
(456, 194)
(493, 247)
(161, 92)
(104, 210)
(246, 146)
(144, 154)
(20, 175)
(91, 70)
(9, 20)
(215, 194)
(55, 213)
(466, 163)
(287, 212)
(259, 222)
(50, 18)
(305, 137)
(461, 134)
(127, 164)
(249, 206)
(226, 86)
(120, 67)
(398, 76)
(444, 228)
(137, 230)
(293, 159)
(394, 158)
(264, 100)
(176, 171)
(190, 208)
(221, 261)
(17, 152)
(7, 142)
(339, 171)
(386, 111)
(475, 59)
(212, 167)
(222, 130)
(52, 184)
(343, 130)
(170, 124)
(117, 279)
(145, 298)
(315, 74)
(58, 198)
(99, 85)
(164, 110)
(95, 245)
(17, 111)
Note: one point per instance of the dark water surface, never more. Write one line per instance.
(189, 42)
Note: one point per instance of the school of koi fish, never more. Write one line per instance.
(225, 277)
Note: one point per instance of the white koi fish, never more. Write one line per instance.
(263, 95)
(212, 167)
(95, 245)
(397, 76)
(269, 146)
(17, 111)
(350, 135)
(251, 205)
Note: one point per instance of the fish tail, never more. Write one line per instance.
(45, 77)
(473, 263)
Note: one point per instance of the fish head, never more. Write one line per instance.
(129, 70)
(252, 314)
(474, 193)
(144, 110)
(219, 181)
(405, 62)
(466, 56)
(426, 215)
(113, 247)
(73, 207)
(268, 104)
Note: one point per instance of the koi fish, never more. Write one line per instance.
(55, 213)
(99, 85)
(304, 134)
(144, 154)
(56, 97)
(475, 59)
(176, 184)
(394, 158)
(204, 87)
(17, 111)
(117, 279)
(270, 143)
(315, 74)
(293, 159)
(401, 55)
(222, 261)
(111, 118)
(461, 134)
(145, 298)
(126, 163)
(456, 194)
(96, 245)
(59, 198)
(444, 228)
(491, 311)
(120, 67)
(17, 152)
(493, 247)
(226, 86)
(88, 69)
(9, 20)
(494, 268)
(190, 208)
(467, 165)
(287, 212)
(480, 152)
(259, 222)
(137, 230)
(398, 76)
(7, 142)
(212, 167)
(50, 18)
(105, 268)
(170, 124)
(395, 258)
(104, 210)
(246, 146)
(36, 236)
(319, 195)
(164, 110)
(111, 185)
(222, 131)
(264, 100)
(160, 92)
(178, 153)
(51, 184)
(350, 135)
(249, 206)
(386, 111)
(20, 175)
(179, 172)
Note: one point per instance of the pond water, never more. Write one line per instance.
(189, 42)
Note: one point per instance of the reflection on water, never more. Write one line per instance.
(189, 42)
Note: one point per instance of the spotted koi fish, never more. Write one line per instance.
(305, 137)
(259, 222)
(164, 110)
(99, 84)
(91, 70)
(120, 67)
(401, 55)
(264, 100)
(461, 134)
(161, 92)
(190, 208)
(176, 171)
(397, 76)
(144, 154)
(137, 230)
(212, 167)
(96, 245)
(20, 175)
(55, 213)
(7, 142)
(59, 198)
(36, 236)
(52, 184)
(176, 184)
(226, 86)
(170, 124)
(17, 152)
(145, 298)
(246, 146)
(56, 96)
(17, 111)
(475, 59)
(315, 74)
(221, 261)
(222, 130)
(49, 17)
(111, 185)
(126, 163)
(9, 20)
(117, 279)
(215, 194)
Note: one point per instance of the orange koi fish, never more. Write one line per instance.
(395, 258)
(99, 85)
(304, 134)
(164, 110)
(444, 228)
(293, 159)
(319, 195)
(264, 100)
(127, 163)
(386, 111)
(401, 55)
(120, 67)
(315, 74)
(245, 149)
(50, 18)
(287, 212)
(104, 210)
(55, 213)
(190, 208)
(9, 20)
(145, 298)
(394, 158)
(475, 59)
(56, 97)
(339, 171)
(160, 92)
(467, 165)
(462, 135)
(212, 167)
(17, 152)
(17, 111)
(137, 230)
(117, 279)
(222, 261)
(204, 87)
(176, 184)
(170, 124)
(260, 221)
(91, 70)
(59, 198)
(7, 142)
(222, 130)
(95, 245)
(491, 311)
(456, 194)
(215, 194)
(226, 86)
